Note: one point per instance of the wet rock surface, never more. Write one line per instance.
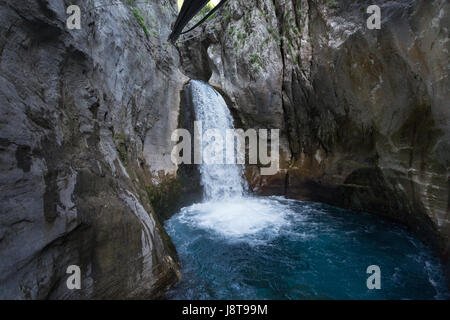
(86, 117)
(364, 113)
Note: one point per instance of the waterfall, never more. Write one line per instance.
(220, 181)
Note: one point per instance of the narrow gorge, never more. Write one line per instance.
(86, 139)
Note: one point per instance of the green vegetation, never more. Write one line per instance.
(121, 146)
(332, 4)
(227, 14)
(256, 62)
(164, 195)
(254, 58)
(140, 19)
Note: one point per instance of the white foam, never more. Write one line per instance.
(226, 210)
(237, 217)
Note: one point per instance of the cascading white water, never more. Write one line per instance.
(293, 249)
(220, 181)
(227, 208)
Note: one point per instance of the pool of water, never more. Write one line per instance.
(274, 248)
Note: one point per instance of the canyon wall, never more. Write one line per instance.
(87, 116)
(364, 114)
(85, 125)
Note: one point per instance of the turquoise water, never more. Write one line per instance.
(273, 248)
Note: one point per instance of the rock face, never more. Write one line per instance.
(85, 124)
(87, 115)
(364, 113)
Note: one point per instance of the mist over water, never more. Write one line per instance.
(297, 250)
(236, 246)
(236, 218)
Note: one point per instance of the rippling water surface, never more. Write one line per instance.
(237, 247)
(273, 248)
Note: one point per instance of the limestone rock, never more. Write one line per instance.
(364, 113)
(85, 116)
